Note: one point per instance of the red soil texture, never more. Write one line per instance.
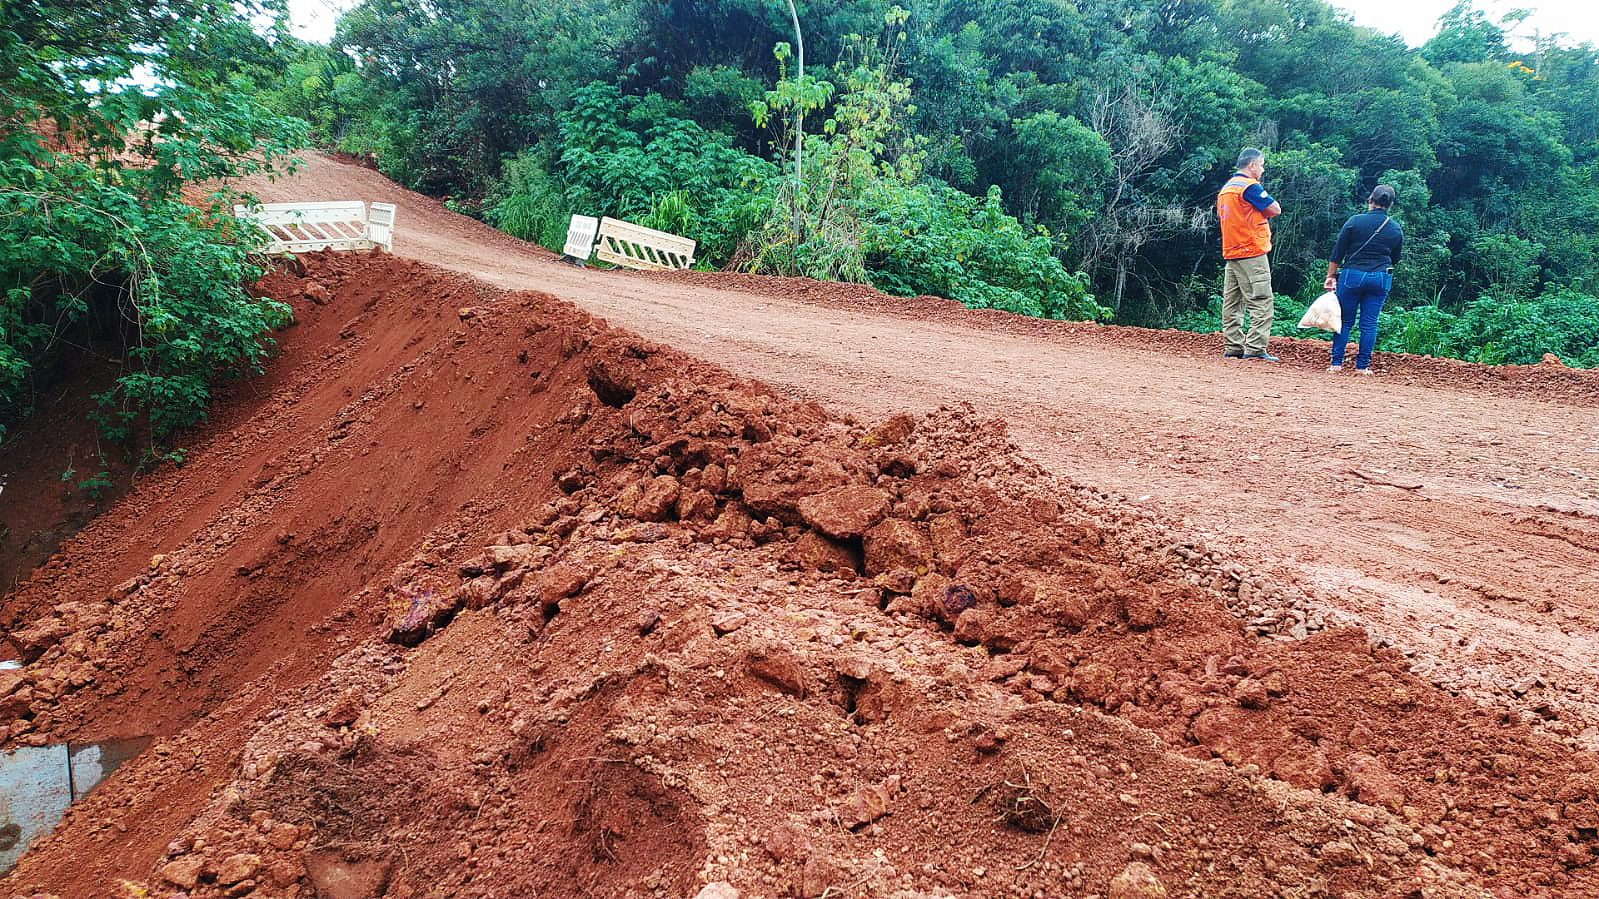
(765, 587)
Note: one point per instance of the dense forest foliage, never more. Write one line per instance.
(108, 111)
(1051, 157)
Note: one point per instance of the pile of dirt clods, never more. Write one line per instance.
(474, 596)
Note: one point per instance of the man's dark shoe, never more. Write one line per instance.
(1233, 354)
(1264, 357)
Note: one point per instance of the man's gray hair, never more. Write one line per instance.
(1247, 156)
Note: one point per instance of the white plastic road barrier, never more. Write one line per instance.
(340, 225)
(580, 237)
(633, 246)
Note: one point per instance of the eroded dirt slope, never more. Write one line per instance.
(1452, 508)
(473, 595)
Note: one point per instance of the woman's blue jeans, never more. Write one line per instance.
(1360, 294)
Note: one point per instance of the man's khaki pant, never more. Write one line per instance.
(1247, 284)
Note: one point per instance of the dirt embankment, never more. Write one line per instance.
(476, 596)
(1451, 508)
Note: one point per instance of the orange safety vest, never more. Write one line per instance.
(1245, 233)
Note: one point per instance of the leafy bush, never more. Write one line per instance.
(1574, 316)
(528, 202)
(620, 156)
(1424, 330)
(85, 261)
(1519, 332)
(937, 240)
(1204, 320)
(1502, 332)
(99, 255)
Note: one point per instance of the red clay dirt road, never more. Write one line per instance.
(469, 596)
(1451, 508)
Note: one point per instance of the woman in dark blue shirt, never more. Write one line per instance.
(1362, 271)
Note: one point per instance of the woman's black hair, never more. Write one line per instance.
(1382, 196)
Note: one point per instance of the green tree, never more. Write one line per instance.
(623, 155)
(1108, 124)
(1320, 196)
(1062, 166)
(815, 229)
(1148, 210)
(453, 89)
(107, 112)
(1465, 35)
(314, 83)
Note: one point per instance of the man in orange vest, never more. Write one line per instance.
(1244, 208)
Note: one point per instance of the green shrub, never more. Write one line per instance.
(1424, 330)
(1501, 332)
(1286, 313)
(78, 252)
(1497, 331)
(1574, 316)
(932, 239)
(528, 202)
(625, 156)
(1205, 320)
(99, 252)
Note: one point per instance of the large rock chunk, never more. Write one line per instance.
(777, 665)
(505, 558)
(1222, 731)
(895, 544)
(951, 543)
(819, 553)
(337, 876)
(774, 478)
(1305, 766)
(733, 522)
(955, 600)
(1369, 781)
(1060, 598)
(38, 637)
(779, 501)
(419, 608)
(865, 805)
(11, 680)
(927, 594)
(659, 500)
(891, 432)
(1095, 682)
(238, 868)
(558, 582)
(1137, 881)
(845, 511)
(478, 592)
(696, 505)
(183, 872)
(985, 627)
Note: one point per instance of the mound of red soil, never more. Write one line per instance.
(474, 596)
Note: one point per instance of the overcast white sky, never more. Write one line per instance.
(1414, 20)
(313, 20)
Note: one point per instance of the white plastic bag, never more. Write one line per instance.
(1324, 314)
